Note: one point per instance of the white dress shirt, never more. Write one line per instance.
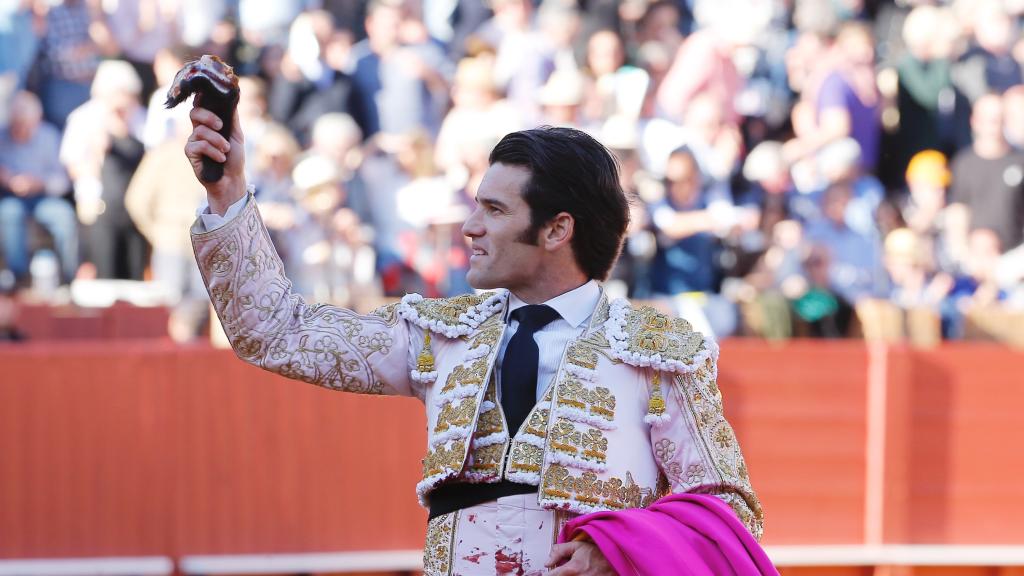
(575, 308)
(208, 221)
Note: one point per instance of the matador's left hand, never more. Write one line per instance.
(581, 559)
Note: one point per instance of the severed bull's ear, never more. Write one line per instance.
(216, 88)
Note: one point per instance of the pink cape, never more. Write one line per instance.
(684, 534)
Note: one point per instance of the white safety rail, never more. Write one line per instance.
(311, 563)
(118, 566)
(896, 555)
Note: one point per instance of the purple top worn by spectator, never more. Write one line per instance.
(836, 92)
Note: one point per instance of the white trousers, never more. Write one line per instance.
(512, 535)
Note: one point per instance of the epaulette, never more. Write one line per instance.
(452, 317)
(643, 337)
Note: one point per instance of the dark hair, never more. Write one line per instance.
(571, 172)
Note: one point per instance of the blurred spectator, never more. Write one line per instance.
(911, 270)
(200, 19)
(102, 146)
(766, 169)
(560, 99)
(141, 29)
(616, 89)
(476, 106)
(336, 137)
(309, 85)
(988, 182)
(926, 99)
(32, 182)
(822, 308)
(275, 158)
(923, 207)
(266, 23)
(844, 96)
(977, 287)
(253, 116)
(854, 260)
(333, 260)
(161, 122)
(685, 221)
(703, 65)
(74, 39)
(988, 65)
(161, 199)
(19, 41)
(398, 85)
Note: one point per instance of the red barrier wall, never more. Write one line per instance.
(127, 448)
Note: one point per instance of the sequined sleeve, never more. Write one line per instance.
(696, 447)
(271, 327)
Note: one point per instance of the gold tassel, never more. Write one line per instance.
(425, 361)
(656, 404)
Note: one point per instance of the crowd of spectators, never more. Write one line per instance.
(788, 160)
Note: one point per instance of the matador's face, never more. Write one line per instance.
(502, 257)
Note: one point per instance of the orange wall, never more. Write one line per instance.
(146, 448)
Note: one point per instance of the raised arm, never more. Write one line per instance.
(269, 326)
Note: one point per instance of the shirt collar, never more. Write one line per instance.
(574, 306)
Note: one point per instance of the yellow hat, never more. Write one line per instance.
(928, 166)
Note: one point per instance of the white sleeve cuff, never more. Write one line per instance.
(210, 221)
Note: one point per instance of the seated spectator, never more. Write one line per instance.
(911, 269)
(854, 259)
(32, 182)
(978, 287)
(688, 221)
(823, 310)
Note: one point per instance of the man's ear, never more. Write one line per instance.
(558, 232)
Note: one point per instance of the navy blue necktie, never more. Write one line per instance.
(519, 365)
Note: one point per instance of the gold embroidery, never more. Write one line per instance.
(456, 414)
(443, 459)
(388, 313)
(538, 423)
(721, 463)
(581, 355)
(488, 458)
(525, 458)
(439, 545)
(572, 393)
(462, 375)
(602, 403)
(611, 493)
(564, 437)
(595, 445)
(448, 310)
(651, 332)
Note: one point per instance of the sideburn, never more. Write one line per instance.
(529, 236)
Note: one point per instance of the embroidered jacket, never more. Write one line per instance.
(632, 412)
